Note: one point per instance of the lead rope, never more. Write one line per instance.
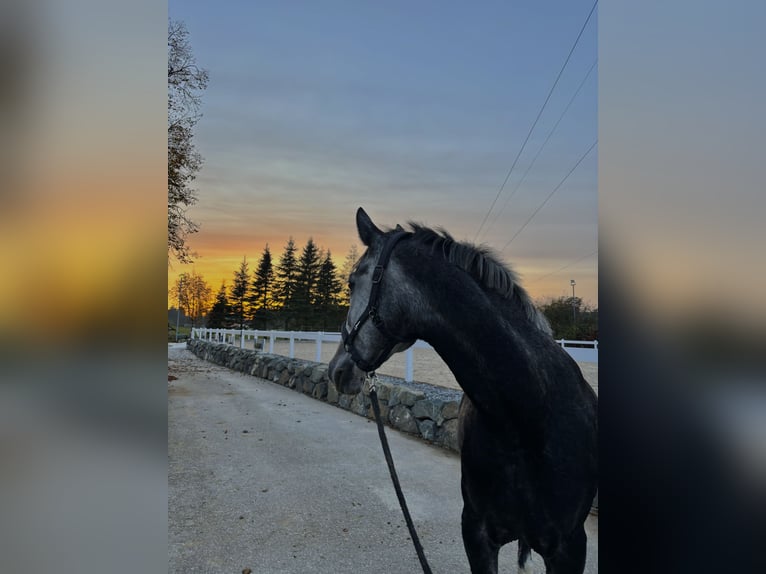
(370, 381)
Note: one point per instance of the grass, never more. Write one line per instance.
(182, 330)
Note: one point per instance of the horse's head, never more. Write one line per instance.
(376, 326)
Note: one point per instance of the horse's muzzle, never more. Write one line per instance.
(348, 378)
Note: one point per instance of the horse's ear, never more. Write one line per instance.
(399, 227)
(366, 228)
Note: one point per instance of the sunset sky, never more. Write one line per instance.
(415, 111)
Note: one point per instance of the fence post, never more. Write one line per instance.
(292, 345)
(408, 366)
(241, 339)
(318, 357)
(271, 343)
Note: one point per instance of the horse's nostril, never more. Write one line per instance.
(337, 375)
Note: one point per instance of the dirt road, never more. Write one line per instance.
(262, 477)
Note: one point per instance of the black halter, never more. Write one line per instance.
(371, 312)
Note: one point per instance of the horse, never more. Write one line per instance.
(527, 428)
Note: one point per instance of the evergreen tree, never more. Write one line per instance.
(308, 271)
(239, 293)
(286, 274)
(216, 319)
(263, 290)
(328, 292)
(263, 281)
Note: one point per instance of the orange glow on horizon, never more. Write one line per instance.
(219, 265)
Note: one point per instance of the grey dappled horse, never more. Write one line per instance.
(528, 418)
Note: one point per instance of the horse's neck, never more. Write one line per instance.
(491, 357)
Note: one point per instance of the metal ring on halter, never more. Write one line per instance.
(370, 381)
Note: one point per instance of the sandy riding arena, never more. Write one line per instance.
(428, 366)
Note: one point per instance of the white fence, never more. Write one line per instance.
(583, 351)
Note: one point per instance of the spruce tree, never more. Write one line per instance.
(239, 293)
(328, 291)
(263, 288)
(286, 275)
(308, 271)
(216, 318)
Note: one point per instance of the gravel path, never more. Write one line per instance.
(264, 479)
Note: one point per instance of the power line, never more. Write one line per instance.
(555, 189)
(548, 97)
(559, 270)
(532, 163)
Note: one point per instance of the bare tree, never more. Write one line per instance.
(185, 84)
(193, 295)
(345, 271)
(199, 298)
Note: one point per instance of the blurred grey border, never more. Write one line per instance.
(681, 199)
(681, 273)
(83, 416)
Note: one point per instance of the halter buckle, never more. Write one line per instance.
(377, 274)
(370, 382)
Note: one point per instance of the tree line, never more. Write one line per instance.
(571, 319)
(302, 291)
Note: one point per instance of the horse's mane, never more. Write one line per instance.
(483, 265)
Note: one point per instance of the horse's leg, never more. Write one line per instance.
(569, 557)
(481, 551)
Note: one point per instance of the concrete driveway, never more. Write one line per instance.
(263, 478)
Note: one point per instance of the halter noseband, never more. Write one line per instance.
(371, 312)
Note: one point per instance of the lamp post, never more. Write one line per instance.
(572, 283)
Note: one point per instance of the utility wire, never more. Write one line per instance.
(559, 270)
(532, 163)
(523, 145)
(555, 189)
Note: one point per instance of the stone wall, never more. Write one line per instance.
(420, 409)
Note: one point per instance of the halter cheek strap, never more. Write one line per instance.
(371, 312)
